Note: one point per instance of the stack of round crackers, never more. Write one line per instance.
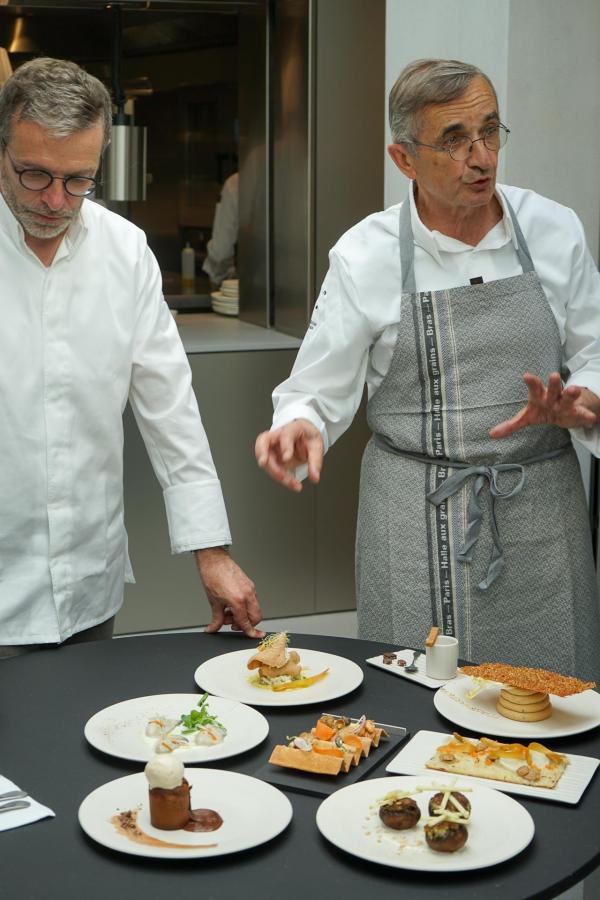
(524, 692)
(523, 705)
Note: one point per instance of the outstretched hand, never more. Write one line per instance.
(571, 407)
(280, 451)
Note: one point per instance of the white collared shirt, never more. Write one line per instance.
(354, 326)
(78, 339)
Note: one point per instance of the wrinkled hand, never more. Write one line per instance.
(572, 407)
(230, 592)
(280, 451)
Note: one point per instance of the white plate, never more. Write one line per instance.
(228, 676)
(570, 715)
(411, 761)
(499, 827)
(119, 729)
(419, 676)
(224, 312)
(253, 812)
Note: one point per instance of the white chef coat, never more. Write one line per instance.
(78, 339)
(220, 260)
(355, 322)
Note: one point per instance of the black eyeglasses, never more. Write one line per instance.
(39, 180)
(460, 146)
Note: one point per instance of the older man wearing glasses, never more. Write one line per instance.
(84, 329)
(472, 311)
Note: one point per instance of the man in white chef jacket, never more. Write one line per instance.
(220, 250)
(85, 328)
(461, 308)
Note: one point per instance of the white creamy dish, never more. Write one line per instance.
(198, 728)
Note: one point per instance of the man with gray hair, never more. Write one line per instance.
(85, 328)
(463, 308)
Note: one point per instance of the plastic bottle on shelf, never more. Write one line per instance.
(188, 269)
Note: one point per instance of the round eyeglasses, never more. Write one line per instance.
(460, 146)
(39, 180)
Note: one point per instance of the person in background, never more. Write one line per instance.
(85, 329)
(220, 250)
(472, 311)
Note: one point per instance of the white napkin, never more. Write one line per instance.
(20, 816)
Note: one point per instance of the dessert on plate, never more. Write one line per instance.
(524, 695)
(169, 793)
(531, 764)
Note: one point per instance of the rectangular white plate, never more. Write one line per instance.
(420, 677)
(412, 758)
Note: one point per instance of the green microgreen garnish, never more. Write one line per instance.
(198, 718)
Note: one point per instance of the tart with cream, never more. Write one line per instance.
(531, 764)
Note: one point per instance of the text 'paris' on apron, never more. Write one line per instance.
(488, 539)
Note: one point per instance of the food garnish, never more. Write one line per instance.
(198, 718)
(300, 682)
(172, 734)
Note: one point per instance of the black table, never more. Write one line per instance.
(46, 698)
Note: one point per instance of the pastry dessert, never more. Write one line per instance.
(531, 764)
(524, 693)
(169, 793)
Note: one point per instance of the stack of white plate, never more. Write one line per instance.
(226, 301)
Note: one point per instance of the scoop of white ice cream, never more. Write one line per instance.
(164, 772)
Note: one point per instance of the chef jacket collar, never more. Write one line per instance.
(13, 228)
(434, 241)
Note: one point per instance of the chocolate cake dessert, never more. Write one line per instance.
(169, 793)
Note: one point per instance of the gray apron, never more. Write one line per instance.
(488, 539)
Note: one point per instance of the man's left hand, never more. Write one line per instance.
(571, 407)
(230, 592)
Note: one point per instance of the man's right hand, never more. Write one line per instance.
(280, 451)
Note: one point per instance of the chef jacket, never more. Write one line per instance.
(78, 339)
(220, 260)
(354, 326)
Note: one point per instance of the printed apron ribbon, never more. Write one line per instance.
(481, 474)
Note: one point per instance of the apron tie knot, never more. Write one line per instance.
(481, 474)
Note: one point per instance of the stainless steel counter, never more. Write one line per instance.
(211, 333)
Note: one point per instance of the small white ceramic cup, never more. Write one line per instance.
(442, 658)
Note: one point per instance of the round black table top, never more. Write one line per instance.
(47, 697)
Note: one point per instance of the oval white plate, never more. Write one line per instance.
(119, 729)
(228, 676)
(499, 827)
(570, 715)
(237, 798)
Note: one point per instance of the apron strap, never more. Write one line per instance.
(407, 246)
(522, 248)
(481, 474)
(407, 249)
(475, 511)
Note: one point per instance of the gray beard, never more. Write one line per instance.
(27, 219)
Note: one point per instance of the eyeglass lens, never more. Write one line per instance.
(494, 139)
(35, 180)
